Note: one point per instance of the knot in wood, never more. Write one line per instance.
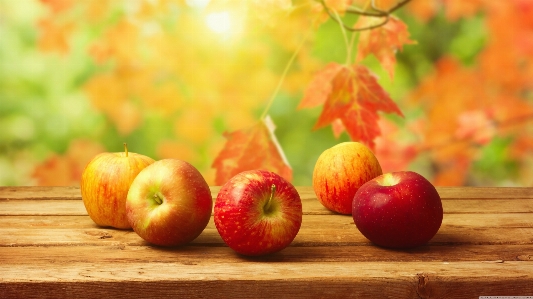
(423, 289)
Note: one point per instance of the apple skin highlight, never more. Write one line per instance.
(398, 210)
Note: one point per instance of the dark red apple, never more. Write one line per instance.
(258, 212)
(398, 210)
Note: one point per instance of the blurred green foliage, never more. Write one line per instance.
(44, 105)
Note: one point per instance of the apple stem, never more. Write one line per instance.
(269, 202)
(158, 197)
(126, 148)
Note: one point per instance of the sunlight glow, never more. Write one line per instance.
(219, 22)
(201, 4)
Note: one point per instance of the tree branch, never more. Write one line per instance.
(354, 10)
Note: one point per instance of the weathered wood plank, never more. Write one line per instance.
(287, 279)
(485, 192)
(194, 253)
(51, 192)
(451, 206)
(449, 192)
(210, 237)
(38, 192)
(478, 221)
(64, 192)
(316, 230)
(42, 207)
(247, 269)
(311, 206)
(493, 206)
(420, 285)
(484, 247)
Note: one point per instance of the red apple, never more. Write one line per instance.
(398, 210)
(258, 212)
(169, 203)
(340, 171)
(105, 182)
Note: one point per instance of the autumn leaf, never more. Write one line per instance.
(476, 125)
(248, 149)
(54, 36)
(54, 31)
(352, 98)
(66, 170)
(456, 9)
(423, 10)
(376, 6)
(109, 94)
(395, 148)
(453, 9)
(338, 6)
(383, 42)
(454, 172)
(320, 87)
(325, 9)
(54, 171)
(58, 5)
(447, 137)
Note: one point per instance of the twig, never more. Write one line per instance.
(353, 10)
(284, 74)
(379, 12)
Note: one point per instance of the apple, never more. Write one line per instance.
(340, 171)
(104, 185)
(398, 210)
(169, 203)
(258, 212)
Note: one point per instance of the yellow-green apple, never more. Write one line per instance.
(169, 203)
(105, 182)
(340, 171)
(258, 212)
(398, 210)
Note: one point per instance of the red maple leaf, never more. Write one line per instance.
(66, 170)
(252, 148)
(320, 87)
(383, 41)
(352, 98)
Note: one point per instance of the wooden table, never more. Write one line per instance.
(50, 248)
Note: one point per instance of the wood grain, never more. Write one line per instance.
(316, 230)
(306, 192)
(50, 248)
(265, 280)
(311, 206)
(194, 253)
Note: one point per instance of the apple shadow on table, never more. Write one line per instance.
(432, 250)
(277, 257)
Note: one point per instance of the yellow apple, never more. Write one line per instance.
(105, 183)
(340, 171)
